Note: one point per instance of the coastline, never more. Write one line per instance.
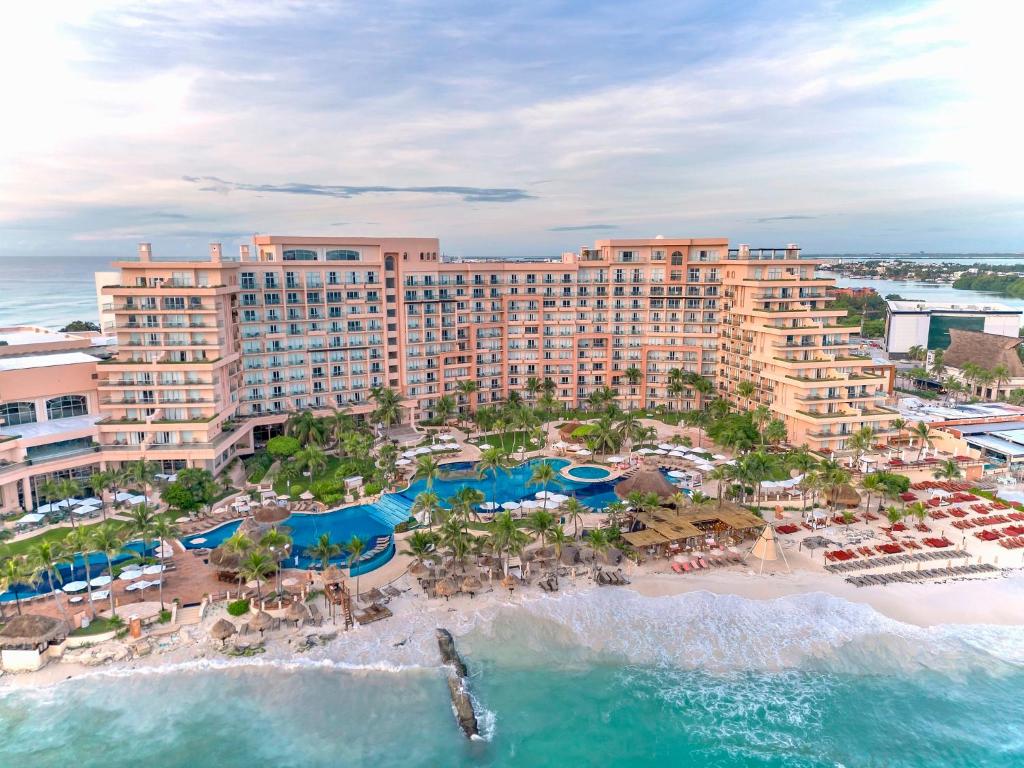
(383, 646)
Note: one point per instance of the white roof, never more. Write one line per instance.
(27, 362)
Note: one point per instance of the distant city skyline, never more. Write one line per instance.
(526, 131)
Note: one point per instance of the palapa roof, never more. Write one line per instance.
(261, 621)
(271, 513)
(845, 494)
(509, 582)
(334, 575)
(446, 588)
(224, 560)
(222, 630)
(296, 611)
(645, 538)
(646, 481)
(30, 630)
(986, 350)
(471, 584)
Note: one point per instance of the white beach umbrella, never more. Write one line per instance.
(485, 446)
(446, 437)
(511, 505)
(678, 474)
(583, 452)
(136, 586)
(543, 494)
(75, 586)
(644, 451)
(660, 452)
(548, 504)
(152, 570)
(100, 581)
(559, 498)
(678, 454)
(666, 446)
(489, 506)
(616, 459)
(129, 575)
(531, 504)
(403, 462)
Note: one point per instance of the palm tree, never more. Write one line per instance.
(541, 522)
(426, 503)
(239, 545)
(46, 557)
(699, 419)
(699, 499)
(389, 408)
(466, 389)
(444, 408)
(164, 531)
(918, 510)
(573, 511)
(1000, 376)
(420, 545)
(893, 515)
(630, 428)
(140, 522)
(491, 461)
(101, 482)
(721, 475)
(339, 424)
(533, 386)
(506, 538)
(278, 544)
(543, 473)
(746, 390)
(324, 550)
(775, 432)
(861, 442)
(256, 566)
(917, 352)
(306, 428)
(923, 431)
(948, 469)
(872, 483)
(14, 572)
(614, 512)
(143, 472)
(604, 437)
(463, 503)
(899, 425)
(387, 458)
(812, 483)
(757, 467)
(633, 375)
(66, 489)
(938, 367)
(833, 477)
(107, 542)
(81, 541)
(558, 539)
(311, 459)
(355, 548)
(427, 469)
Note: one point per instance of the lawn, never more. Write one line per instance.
(508, 442)
(97, 626)
(347, 465)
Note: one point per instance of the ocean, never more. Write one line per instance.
(50, 291)
(600, 678)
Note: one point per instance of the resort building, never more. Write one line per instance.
(49, 410)
(927, 324)
(780, 334)
(987, 352)
(212, 353)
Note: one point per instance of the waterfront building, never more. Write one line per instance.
(780, 334)
(213, 353)
(927, 324)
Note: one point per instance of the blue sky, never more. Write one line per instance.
(519, 129)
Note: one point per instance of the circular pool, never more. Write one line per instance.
(588, 473)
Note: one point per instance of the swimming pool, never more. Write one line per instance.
(73, 572)
(589, 472)
(365, 521)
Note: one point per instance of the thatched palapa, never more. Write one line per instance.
(222, 630)
(646, 481)
(845, 495)
(271, 513)
(31, 631)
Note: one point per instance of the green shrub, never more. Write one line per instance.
(373, 488)
(282, 446)
(238, 607)
(165, 616)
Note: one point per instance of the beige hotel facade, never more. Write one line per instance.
(201, 357)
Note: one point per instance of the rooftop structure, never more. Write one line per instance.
(927, 323)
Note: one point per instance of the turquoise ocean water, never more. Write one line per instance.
(606, 678)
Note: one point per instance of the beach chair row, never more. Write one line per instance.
(707, 560)
(882, 579)
(888, 560)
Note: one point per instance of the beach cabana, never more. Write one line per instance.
(271, 514)
(222, 630)
(28, 641)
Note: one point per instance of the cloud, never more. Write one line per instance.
(769, 219)
(469, 194)
(583, 227)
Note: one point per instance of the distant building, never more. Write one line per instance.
(987, 351)
(853, 293)
(927, 324)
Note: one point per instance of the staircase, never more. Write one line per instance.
(393, 508)
(189, 615)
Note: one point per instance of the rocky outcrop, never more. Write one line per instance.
(462, 702)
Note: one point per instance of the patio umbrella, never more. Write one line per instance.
(485, 446)
(101, 581)
(222, 630)
(531, 504)
(471, 584)
(666, 446)
(306, 496)
(558, 498)
(436, 448)
(153, 570)
(420, 569)
(616, 459)
(297, 611)
(511, 505)
(75, 586)
(584, 452)
(403, 462)
(644, 451)
(677, 474)
(490, 506)
(548, 504)
(135, 586)
(129, 575)
(543, 494)
(509, 582)
(261, 622)
(446, 437)
(660, 452)
(445, 588)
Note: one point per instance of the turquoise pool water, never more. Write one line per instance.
(74, 571)
(372, 521)
(589, 472)
(364, 521)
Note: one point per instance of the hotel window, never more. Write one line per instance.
(12, 414)
(342, 255)
(299, 254)
(677, 258)
(66, 406)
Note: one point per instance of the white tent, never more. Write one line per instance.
(767, 547)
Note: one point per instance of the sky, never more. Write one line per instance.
(512, 129)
